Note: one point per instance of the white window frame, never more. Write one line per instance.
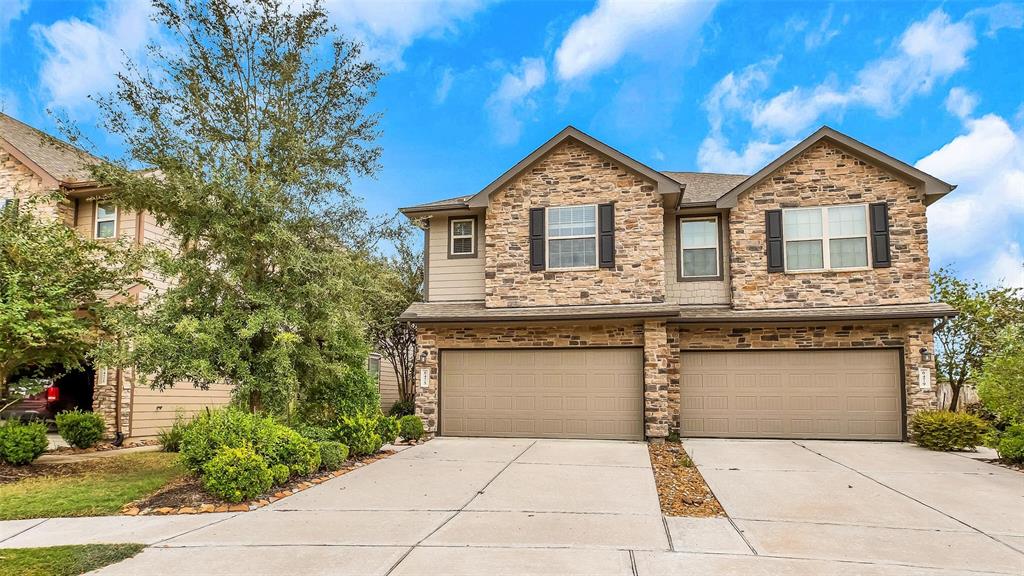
(452, 237)
(97, 221)
(825, 238)
(548, 238)
(717, 246)
(370, 361)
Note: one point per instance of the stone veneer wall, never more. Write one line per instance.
(104, 399)
(826, 175)
(912, 335)
(574, 174)
(651, 335)
(17, 181)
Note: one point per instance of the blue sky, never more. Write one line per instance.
(473, 86)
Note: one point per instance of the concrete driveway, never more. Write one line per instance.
(879, 504)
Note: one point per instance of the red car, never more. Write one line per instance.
(64, 392)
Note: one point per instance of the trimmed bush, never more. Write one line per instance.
(359, 432)
(410, 427)
(1011, 444)
(945, 431)
(332, 454)
(387, 428)
(314, 432)
(280, 474)
(300, 455)
(22, 442)
(80, 429)
(231, 428)
(402, 408)
(170, 438)
(237, 474)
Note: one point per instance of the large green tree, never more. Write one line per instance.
(963, 342)
(1001, 382)
(252, 117)
(58, 291)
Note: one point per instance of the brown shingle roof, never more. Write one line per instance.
(712, 315)
(704, 187)
(62, 161)
(456, 202)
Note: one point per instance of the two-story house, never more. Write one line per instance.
(583, 294)
(33, 162)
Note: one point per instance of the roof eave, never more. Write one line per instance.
(417, 210)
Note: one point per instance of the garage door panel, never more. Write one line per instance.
(573, 393)
(791, 394)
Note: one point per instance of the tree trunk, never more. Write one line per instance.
(255, 401)
(954, 398)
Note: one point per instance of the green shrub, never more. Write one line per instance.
(170, 438)
(237, 474)
(945, 431)
(314, 432)
(332, 454)
(402, 408)
(326, 400)
(80, 429)
(387, 428)
(280, 474)
(410, 427)
(22, 442)
(359, 432)
(1011, 444)
(228, 427)
(289, 448)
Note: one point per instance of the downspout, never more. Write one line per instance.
(118, 434)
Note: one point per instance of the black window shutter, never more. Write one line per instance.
(880, 257)
(606, 235)
(536, 239)
(773, 233)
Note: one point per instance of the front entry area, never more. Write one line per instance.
(543, 393)
(827, 394)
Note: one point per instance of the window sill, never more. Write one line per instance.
(587, 269)
(829, 270)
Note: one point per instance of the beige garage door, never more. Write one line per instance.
(844, 394)
(577, 393)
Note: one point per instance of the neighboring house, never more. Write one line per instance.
(387, 381)
(32, 162)
(583, 294)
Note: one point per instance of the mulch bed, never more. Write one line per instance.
(103, 447)
(186, 496)
(681, 489)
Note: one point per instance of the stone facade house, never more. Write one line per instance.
(583, 294)
(32, 163)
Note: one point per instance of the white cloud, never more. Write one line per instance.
(978, 228)
(81, 58)
(823, 34)
(927, 52)
(599, 39)
(715, 155)
(444, 86)
(11, 10)
(999, 16)
(961, 102)
(388, 28)
(512, 99)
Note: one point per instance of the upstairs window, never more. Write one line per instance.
(106, 220)
(572, 237)
(462, 237)
(699, 247)
(826, 238)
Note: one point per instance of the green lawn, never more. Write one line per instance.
(106, 485)
(63, 560)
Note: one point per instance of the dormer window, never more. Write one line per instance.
(572, 237)
(462, 237)
(106, 220)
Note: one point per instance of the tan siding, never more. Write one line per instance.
(388, 386)
(709, 292)
(452, 279)
(153, 410)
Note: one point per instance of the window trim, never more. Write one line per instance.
(826, 259)
(96, 221)
(548, 239)
(720, 253)
(369, 363)
(475, 236)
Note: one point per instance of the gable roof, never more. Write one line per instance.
(704, 188)
(933, 187)
(665, 185)
(55, 161)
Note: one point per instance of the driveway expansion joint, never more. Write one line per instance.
(22, 531)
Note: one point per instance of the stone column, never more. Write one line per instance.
(426, 398)
(656, 361)
(917, 335)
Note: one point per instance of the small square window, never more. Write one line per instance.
(106, 220)
(462, 234)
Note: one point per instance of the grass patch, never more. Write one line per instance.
(63, 560)
(99, 488)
